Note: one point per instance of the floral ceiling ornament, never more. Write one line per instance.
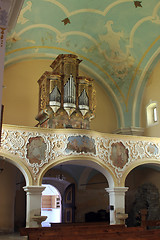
(137, 3)
(66, 21)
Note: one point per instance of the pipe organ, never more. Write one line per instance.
(66, 100)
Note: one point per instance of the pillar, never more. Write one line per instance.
(117, 204)
(33, 211)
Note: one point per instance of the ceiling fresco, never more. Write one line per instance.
(118, 41)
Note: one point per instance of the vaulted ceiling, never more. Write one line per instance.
(118, 41)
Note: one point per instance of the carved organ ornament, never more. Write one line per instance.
(66, 100)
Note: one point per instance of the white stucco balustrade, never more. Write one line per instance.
(38, 149)
(35, 150)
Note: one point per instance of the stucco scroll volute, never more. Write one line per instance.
(38, 148)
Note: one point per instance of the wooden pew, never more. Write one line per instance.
(147, 235)
(135, 233)
(67, 229)
(75, 231)
(89, 226)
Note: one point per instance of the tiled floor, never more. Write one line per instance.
(13, 236)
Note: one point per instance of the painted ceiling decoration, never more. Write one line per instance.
(118, 41)
(138, 3)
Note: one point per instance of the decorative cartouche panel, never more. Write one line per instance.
(39, 147)
(66, 100)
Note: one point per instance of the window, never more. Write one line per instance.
(152, 114)
(155, 117)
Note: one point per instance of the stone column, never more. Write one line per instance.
(117, 204)
(33, 210)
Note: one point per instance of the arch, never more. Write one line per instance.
(85, 161)
(141, 85)
(18, 162)
(136, 164)
(86, 68)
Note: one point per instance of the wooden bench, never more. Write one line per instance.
(77, 231)
(143, 235)
(135, 233)
(94, 227)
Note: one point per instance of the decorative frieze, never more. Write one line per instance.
(37, 148)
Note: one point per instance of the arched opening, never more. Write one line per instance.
(51, 205)
(88, 199)
(151, 98)
(13, 200)
(143, 193)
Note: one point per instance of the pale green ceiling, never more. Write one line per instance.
(116, 39)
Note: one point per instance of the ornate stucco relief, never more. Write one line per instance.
(21, 18)
(38, 148)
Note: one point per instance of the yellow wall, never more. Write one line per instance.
(151, 93)
(21, 92)
(105, 120)
(20, 95)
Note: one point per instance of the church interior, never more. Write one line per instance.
(81, 113)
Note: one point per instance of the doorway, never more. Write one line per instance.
(51, 205)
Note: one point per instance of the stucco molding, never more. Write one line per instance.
(38, 148)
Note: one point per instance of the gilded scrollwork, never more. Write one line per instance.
(43, 95)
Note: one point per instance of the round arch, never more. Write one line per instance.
(83, 161)
(136, 164)
(142, 81)
(16, 161)
(84, 67)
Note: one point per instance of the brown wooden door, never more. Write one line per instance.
(68, 207)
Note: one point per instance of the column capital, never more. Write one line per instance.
(117, 190)
(117, 202)
(33, 189)
(137, 131)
